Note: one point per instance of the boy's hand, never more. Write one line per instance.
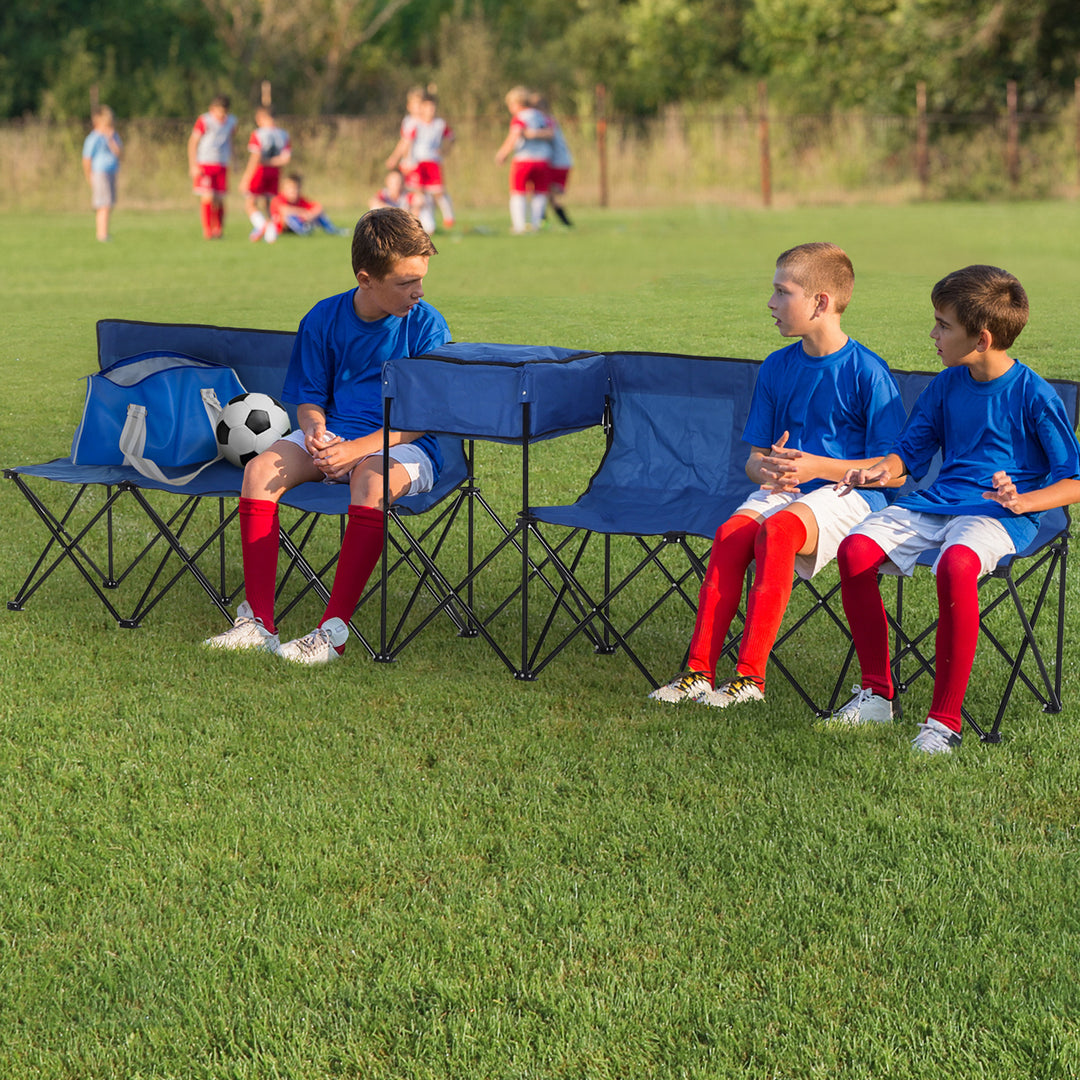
(1005, 493)
(876, 476)
(317, 440)
(338, 458)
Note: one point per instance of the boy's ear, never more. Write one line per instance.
(822, 303)
(985, 341)
(363, 279)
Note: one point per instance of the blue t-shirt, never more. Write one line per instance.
(96, 148)
(844, 405)
(1016, 423)
(337, 362)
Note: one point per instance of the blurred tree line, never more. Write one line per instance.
(162, 58)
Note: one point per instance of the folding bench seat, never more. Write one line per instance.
(91, 530)
(673, 472)
(1024, 593)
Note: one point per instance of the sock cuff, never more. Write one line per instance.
(258, 507)
(366, 515)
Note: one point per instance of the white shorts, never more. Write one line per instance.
(905, 534)
(417, 464)
(836, 515)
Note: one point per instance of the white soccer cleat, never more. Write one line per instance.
(935, 738)
(318, 647)
(865, 707)
(683, 687)
(246, 632)
(732, 691)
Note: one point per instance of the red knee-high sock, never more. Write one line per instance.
(778, 542)
(259, 533)
(859, 559)
(721, 590)
(219, 218)
(957, 632)
(207, 209)
(361, 547)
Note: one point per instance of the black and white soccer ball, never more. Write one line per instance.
(250, 424)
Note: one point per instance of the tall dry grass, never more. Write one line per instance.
(681, 157)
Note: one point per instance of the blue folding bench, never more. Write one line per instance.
(673, 472)
(83, 529)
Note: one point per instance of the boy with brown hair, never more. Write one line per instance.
(335, 377)
(1008, 454)
(822, 406)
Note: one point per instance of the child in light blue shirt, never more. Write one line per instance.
(101, 154)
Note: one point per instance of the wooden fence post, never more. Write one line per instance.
(1012, 138)
(922, 142)
(601, 140)
(266, 95)
(763, 143)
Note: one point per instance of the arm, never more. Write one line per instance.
(1061, 493)
(398, 152)
(86, 169)
(249, 171)
(337, 456)
(192, 149)
(508, 145)
(782, 469)
(310, 212)
(889, 471)
(114, 144)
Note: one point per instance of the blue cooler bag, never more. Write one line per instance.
(154, 410)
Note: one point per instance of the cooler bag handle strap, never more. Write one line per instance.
(133, 440)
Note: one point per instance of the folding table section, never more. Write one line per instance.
(511, 394)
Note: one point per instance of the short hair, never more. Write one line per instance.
(518, 93)
(100, 110)
(820, 267)
(295, 177)
(384, 236)
(220, 99)
(984, 298)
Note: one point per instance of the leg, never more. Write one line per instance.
(718, 600)
(859, 559)
(101, 222)
(266, 478)
(780, 538)
(362, 543)
(957, 632)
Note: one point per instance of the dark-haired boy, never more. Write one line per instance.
(1008, 453)
(821, 406)
(335, 375)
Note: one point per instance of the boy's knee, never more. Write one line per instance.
(858, 553)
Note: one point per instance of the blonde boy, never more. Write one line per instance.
(822, 406)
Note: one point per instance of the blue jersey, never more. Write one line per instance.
(1016, 423)
(96, 147)
(844, 405)
(337, 362)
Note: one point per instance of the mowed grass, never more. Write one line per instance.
(217, 866)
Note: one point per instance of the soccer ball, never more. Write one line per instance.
(250, 424)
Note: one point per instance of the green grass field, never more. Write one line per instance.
(217, 867)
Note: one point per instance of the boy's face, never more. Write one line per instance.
(219, 112)
(396, 294)
(427, 111)
(955, 346)
(290, 190)
(791, 306)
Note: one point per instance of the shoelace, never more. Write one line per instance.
(688, 680)
(312, 643)
(735, 685)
